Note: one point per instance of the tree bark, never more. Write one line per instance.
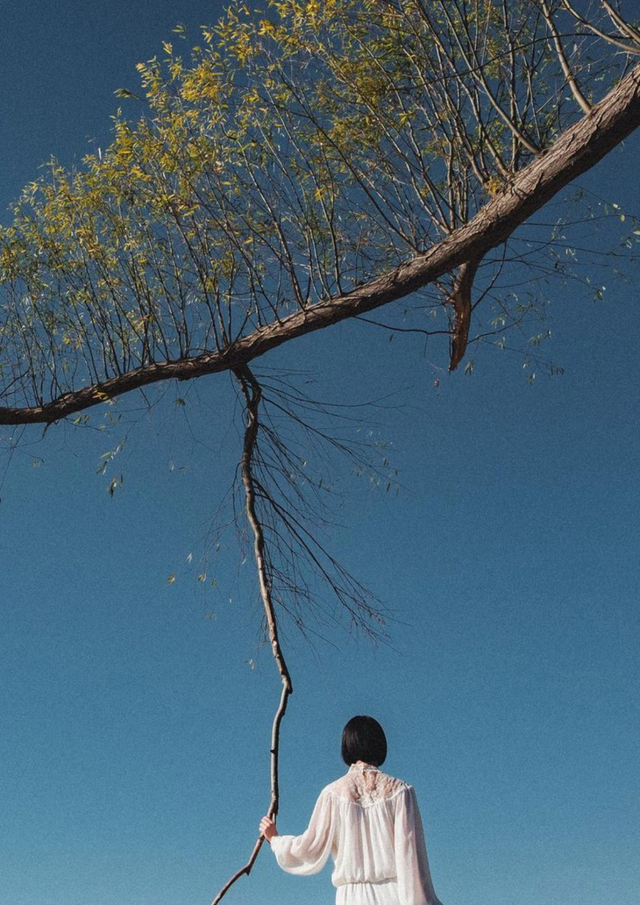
(574, 152)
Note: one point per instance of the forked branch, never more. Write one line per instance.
(252, 395)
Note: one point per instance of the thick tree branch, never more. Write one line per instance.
(575, 151)
(253, 394)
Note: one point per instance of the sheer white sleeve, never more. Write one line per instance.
(412, 865)
(308, 853)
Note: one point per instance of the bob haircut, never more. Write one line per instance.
(363, 739)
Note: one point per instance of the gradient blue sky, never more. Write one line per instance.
(133, 732)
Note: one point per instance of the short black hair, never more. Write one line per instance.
(363, 739)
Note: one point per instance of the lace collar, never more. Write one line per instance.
(362, 768)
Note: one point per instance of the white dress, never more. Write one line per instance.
(370, 824)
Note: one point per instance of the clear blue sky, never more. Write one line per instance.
(133, 732)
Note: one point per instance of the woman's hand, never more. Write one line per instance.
(268, 828)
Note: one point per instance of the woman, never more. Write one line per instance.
(370, 823)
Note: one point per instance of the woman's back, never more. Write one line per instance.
(364, 843)
(369, 823)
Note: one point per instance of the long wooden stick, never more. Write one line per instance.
(253, 394)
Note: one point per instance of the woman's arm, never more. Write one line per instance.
(412, 864)
(308, 853)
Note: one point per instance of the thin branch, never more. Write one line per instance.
(623, 26)
(252, 393)
(557, 43)
(610, 39)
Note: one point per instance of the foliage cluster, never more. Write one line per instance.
(287, 158)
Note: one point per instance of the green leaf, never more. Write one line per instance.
(115, 483)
